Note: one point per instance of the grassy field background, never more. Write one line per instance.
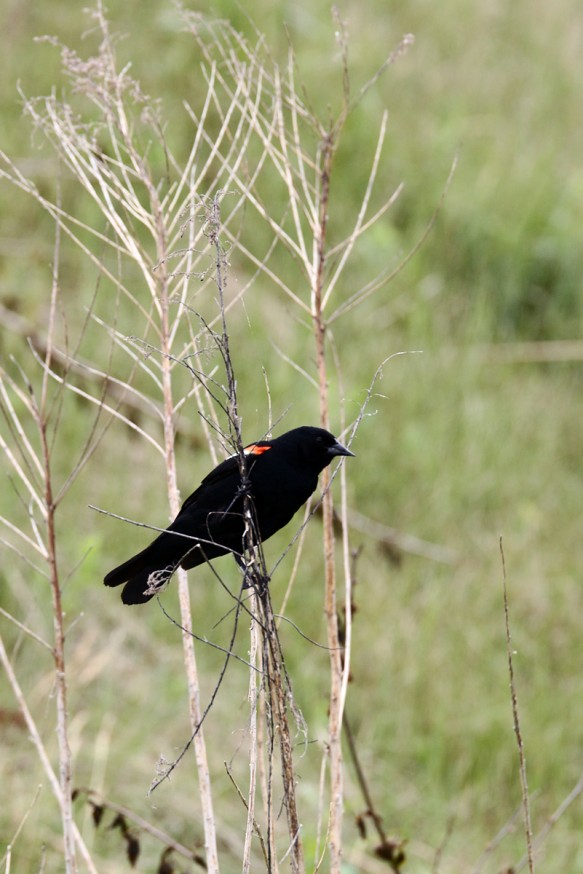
(478, 437)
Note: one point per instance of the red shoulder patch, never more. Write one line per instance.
(257, 449)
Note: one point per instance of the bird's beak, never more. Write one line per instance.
(339, 449)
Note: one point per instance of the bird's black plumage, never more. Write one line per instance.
(282, 475)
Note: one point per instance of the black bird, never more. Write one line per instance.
(282, 474)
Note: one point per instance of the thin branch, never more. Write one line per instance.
(390, 850)
(28, 631)
(146, 826)
(8, 854)
(406, 42)
(358, 226)
(21, 440)
(37, 545)
(516, 721)
(251, 826)
(22, 477)
(41, 752)
(400, 540)
(113, 411)
(387, 276)
(507, 829)
(575, 792)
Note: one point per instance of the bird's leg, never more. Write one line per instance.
(158, 580)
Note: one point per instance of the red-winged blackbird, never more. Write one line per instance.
(282, 475)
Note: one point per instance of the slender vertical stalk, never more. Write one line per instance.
(242, 96)
(39, 412)
(183, 590)
(276, 683)
(330, 606)
(516, 721)
(37, 742)
(278, 689)
(65, 778)
(253, 745)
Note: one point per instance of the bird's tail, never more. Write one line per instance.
(146, 573)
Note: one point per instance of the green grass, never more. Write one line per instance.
(460, 451)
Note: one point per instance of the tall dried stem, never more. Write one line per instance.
(276, 687)
(330, 598)
(65, 770)
(278, 694)
(33, 416)
(516, 720)
(124, 184)
(298, 150)
(263, 132)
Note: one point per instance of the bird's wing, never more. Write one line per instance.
(225, 471)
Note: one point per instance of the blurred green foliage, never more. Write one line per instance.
(467, 444)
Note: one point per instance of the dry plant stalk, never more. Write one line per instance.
(575, 792)
(277, 692)
(41, 421)
(516, 721)
(286, 127)
(33, 415)
(276, 687)
(52, 778)
(263, 133)
(251, 827)
(118, 178)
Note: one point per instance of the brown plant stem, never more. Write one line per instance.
(516, 722)
(40, 416)
(155, 831)
(277, 687)
(254, 684)
(65, 776)
(575, 792)
(330, 601)
(389, 850)
(41, 751)
(195, 711)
